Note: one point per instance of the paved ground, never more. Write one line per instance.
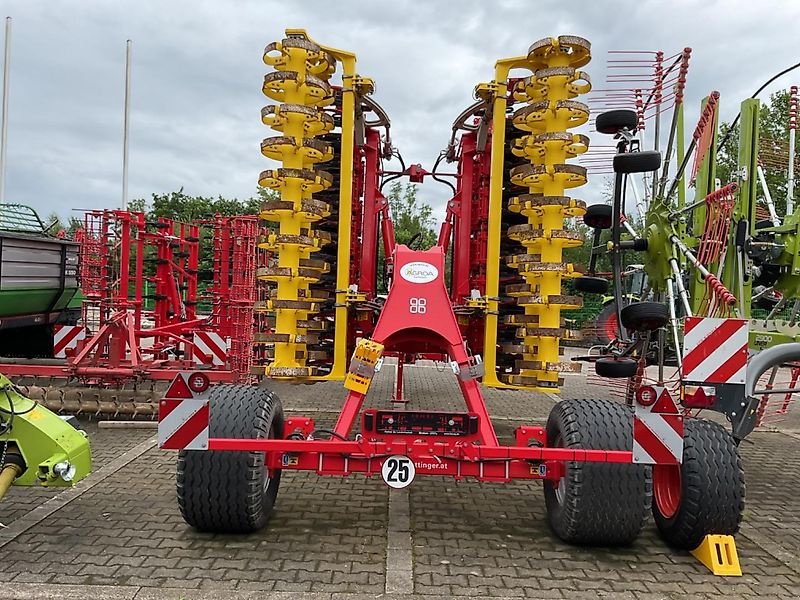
(119, 534)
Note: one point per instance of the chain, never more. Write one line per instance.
(3, 456)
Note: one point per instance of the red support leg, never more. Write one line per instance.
(398, 393)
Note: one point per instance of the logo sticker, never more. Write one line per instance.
(419, 272)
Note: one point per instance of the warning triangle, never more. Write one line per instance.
(665, 405)
(178, 390)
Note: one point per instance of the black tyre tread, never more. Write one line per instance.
(616, 368)
(644, 316)
(598, 216)
(612, 121)
(606, 504)
(713, 494)
(587, 284)
(224, 491)
(644, 161)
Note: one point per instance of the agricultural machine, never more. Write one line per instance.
(39, 289)
(497, 321)
(146, 314)
(713, 257)
(39, 294)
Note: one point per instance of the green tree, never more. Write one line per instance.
(54, 225)
(773, 126)
(411, 216)
(412, 219)
(182, 207)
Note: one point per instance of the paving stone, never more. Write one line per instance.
(328, 536)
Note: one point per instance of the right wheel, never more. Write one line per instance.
(644, 316)
(604, 504)
(616, 368)
(705, 494)
(226, 491)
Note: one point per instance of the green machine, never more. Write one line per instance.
(38, 283)
(37, 447)
(38, 289)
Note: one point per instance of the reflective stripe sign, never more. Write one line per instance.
(183, 416)
(66, 337)
(714, 350)
(209, 348)
(657, 428)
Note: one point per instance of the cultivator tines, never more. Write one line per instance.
(548, 113)
(300, 84)
(141, 323)
(233, 291)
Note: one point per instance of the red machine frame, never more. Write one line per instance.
(115, 245)
(402, 329)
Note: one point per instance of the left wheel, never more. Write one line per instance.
(616, 368)
(232, 492)
(705, 494)
(604, 504)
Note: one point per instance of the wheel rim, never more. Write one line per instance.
(610, 326)
(667, 489)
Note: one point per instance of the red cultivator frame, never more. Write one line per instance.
(128, 263)
(418, 315)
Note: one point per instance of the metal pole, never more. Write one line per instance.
(673, 320)
(4, 127)
(125, 138)
(773, 216)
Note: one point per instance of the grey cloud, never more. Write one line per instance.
(198, 71)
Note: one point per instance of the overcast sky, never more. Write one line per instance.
(197, 77)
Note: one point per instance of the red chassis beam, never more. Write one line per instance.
(440, 457)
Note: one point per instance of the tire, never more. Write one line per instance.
(606, 324)
(604, 504)
(763, 224)
(711, 484)
(616, 368)
(34, 341)
(644, 161)
(598, 216)
(612, 122)
(644, 316)
(591, 285)
(231, 492)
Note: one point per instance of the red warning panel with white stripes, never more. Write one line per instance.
(714, 350)
(183, 413)
(210, 348)
(657, 428)
(66, 338)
